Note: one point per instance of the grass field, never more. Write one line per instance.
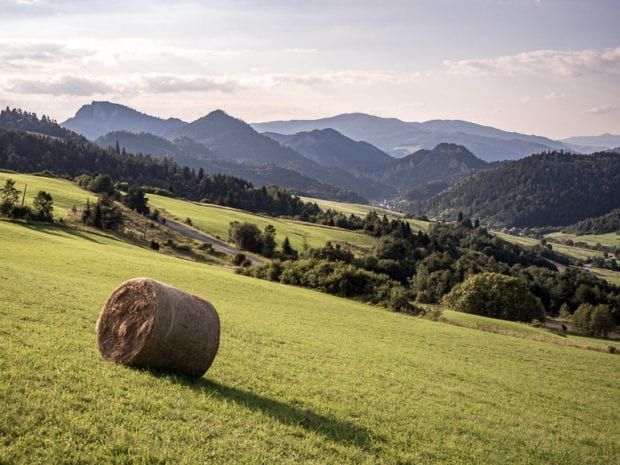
(65, 194)
(216, 220)
(608, 240)
(512, 328)
(362, 210)
(301, 377)
(571, 251)
(609, 275)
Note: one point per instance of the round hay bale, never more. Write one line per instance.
(149, 324)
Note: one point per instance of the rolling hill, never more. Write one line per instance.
(445, 162)
(594, 143)
(330, 148)
(291, 382)
(549, 189)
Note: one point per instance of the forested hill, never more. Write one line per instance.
(446, 162)
(26, 152)
(610, 222)
(548, 189)
(16, 118)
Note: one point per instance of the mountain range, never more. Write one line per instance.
(547, 189)
(400, 138)
(328, 156)
(351, 156)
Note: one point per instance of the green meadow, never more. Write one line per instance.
(608, 240)
(215, 220)
(362, 210)
(65, 194)
(300, 377)
(569, 250)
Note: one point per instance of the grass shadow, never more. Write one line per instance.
(55, 230)
(333, 429)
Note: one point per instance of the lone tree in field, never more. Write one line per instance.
(43, 206)
(497, 296)
(136, 200)
(9, 196)
(246, 236)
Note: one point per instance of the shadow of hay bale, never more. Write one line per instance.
(330, 428)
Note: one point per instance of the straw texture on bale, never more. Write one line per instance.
(149, 324)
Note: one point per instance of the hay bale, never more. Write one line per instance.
(148, 324)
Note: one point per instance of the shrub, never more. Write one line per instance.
(496, 296)
(593, 320)
(43, 206)
(241, 260)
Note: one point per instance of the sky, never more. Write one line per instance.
(545, 67)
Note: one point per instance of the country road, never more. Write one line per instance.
(208, 240)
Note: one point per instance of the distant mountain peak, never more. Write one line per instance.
(102, 117)
(330, 148)
(219, 113)
(399, 138)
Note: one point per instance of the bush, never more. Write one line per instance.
(154, 245)
(43, 206)
(20, 212)
(496, 296)
(593, 320)
(241, 260)
(337, 278)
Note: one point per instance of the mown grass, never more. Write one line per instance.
(607, 240)
(64, 193)
(216, 220)
(523, 330)
(301, 377)
(362, 210)
(609, 275)
(578, 253)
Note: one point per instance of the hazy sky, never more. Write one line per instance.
(548, 67)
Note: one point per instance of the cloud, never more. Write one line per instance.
(171, 84)
(65, 85)
(153, 83)
(302, 50)
(555, 96)
(351, 77)
(27, 54)
(601, 110)
(555, 62)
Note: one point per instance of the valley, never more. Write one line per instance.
(309, 233)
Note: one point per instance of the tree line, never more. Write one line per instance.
(444, 265)
(24, 152)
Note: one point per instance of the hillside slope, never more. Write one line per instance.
(300, 377)
(330, 148)
(446, 162)
(549, 189)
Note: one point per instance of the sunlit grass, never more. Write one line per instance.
(301, 377)
(608, 240)
(362, 210)
(64, 193)
(578, 253)
(527, 331)
(216, 221)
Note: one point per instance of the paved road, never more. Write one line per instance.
(214, 242)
